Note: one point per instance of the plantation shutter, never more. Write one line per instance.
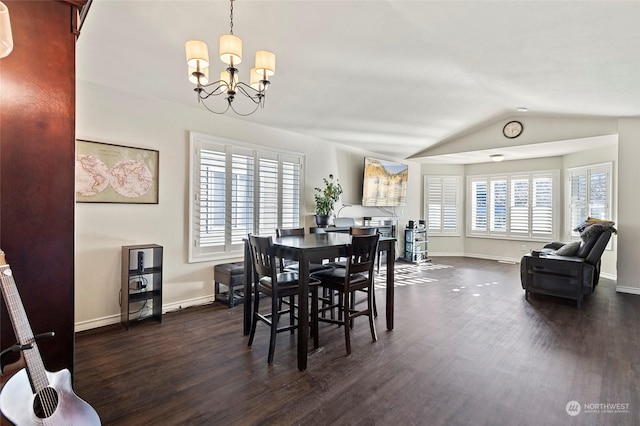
(450, 191)
(578, 203)
(291, 168)
(590, 196)
(499, 192)
(239, 189)
(434, 204)
(241, 193)
(210, 214)
(519, 220)
(479, 205)
(268, 196)
(542, 206)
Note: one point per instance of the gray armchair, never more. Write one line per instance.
(565, 270)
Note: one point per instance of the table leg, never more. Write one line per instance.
(303, 311)
(391, 257)
(248, 293)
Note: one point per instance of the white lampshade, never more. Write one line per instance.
(255, 80)
(265, 62)
(224, 76)
(203, 79)
(6, 38)
(230, 49)
(197, 54)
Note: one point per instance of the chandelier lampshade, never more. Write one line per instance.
(230, 49)
(6, 38)
(265, 63)
(193, 75)
(225, 79)
(229, 85)
(197, 54)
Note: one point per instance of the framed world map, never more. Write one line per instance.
(107, 173)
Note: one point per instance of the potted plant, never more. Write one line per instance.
(325, 200)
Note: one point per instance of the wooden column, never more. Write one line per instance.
(37, 155)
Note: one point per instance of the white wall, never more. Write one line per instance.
(629, 206)
(106, 115)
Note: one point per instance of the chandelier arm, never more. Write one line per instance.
(216, 112)
(244, 114)
(215, 92)
(242, 88)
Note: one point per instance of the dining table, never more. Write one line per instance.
(303, 249)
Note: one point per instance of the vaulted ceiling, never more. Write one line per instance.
(392, 77)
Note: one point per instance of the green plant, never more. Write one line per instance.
(326, 197)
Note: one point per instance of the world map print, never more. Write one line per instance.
(113, 173)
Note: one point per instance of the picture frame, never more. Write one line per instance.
(109, 173)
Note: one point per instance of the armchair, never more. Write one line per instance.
(565, 270)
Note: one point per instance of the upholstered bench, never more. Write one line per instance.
(230, 275)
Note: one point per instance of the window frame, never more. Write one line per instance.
(259, 154)
(507, 229)
(442, 229)
(588, 170)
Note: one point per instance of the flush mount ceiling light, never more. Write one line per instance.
(229, 85)
(497, 157)
(6, 38)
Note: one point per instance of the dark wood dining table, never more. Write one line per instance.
(303, 249)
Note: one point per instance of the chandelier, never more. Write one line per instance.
(229, 86)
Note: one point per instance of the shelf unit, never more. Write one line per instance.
(141, 283)
(416, 245)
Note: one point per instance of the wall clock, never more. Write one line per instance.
(512, 129)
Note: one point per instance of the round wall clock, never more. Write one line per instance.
(512, 129)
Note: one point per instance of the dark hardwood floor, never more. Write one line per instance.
(467, 349)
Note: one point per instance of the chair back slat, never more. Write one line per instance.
(262, 255)
(290, 232)
(361, 254)
(363, 231)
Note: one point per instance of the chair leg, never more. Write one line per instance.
(291, 312)
(314, 317)
(254, 321)
(274, 328)
(347, 322)
(375, 306)
(371, 306)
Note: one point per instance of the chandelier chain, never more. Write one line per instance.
(231, 18)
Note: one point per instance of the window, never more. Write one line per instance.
(513, 206)
(589, 190)
(237, 189)
(442, 195)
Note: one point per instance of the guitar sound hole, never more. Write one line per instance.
(45, 403)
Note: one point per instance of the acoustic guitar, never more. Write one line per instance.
(34, 396)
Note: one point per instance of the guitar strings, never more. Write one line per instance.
(46, 395)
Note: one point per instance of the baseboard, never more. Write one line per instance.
(612, 277)
(628, 290)
(115, 319)
(448, 254)
(496, 258)
(204, 300)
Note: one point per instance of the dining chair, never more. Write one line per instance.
(342, 263)
(357, 275)
(277, 286)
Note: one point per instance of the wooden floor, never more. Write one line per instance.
(467, 349)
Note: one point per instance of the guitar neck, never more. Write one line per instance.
(21, 327)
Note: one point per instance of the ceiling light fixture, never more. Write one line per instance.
(6, 38)
(523, 109)
(497, 157)
(229, 84)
